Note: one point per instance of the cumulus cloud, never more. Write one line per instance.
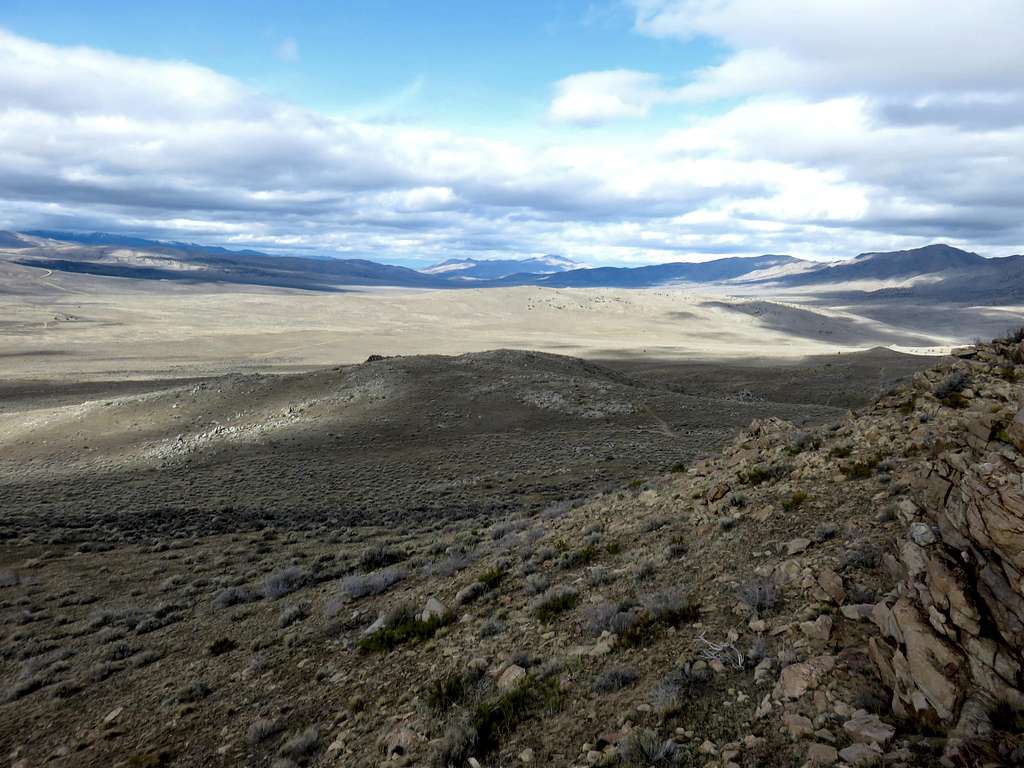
(95, 140)
(593, 97)
(838, 46)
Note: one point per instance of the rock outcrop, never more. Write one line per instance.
(952, 634)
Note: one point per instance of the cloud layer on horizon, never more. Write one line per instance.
(813, 154)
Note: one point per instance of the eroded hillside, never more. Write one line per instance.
(838, 594)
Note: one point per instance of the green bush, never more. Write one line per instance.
(498, 717)
(555, 602)
(492, 578)
(447, 692)
(410, 630)
(793, 500)
(858, 470)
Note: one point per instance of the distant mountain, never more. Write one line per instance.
(129, 257)
(127, 241)
(934, 273)
(473, 269)
(656, 274)
(11, 240)
(917, 262)
(938, 271)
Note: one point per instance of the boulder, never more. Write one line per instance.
(797, 679)
(511, 677)
(869, 729)
(434, 608)
(822, 754)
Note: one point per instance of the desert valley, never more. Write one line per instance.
(247, 523)
(576, 384)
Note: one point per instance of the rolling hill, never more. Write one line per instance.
(934, 272)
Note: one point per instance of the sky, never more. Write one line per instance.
(613, 132)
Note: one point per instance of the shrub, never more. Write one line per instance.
(230, 596)
(293, 613)
(492, 577)
(302, 744)
(408, 629)
(862, 556)
(281, 583)
(360, 585)
(1015, 335)
(555, 601)
(452, 689)
(494, 719)
(599, 618)
(762, 594)
(575, 559)
(646, 570)
(949, 389)
(195, 691)
(492, 628)
(634, 628)
(598, 576)
(763, 473)
(263, 729)
(455, 562)
(674, 692)
(841, 451)
(826, 531)
(643, 748)
(672, 607)
(502, 529)
(801, 442)
(860, 469)
(128, 618)
(615, 679)
(379, 556)
(793, 500)
(537, 583)
(737, 500)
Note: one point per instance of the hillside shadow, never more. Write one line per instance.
(808, 324)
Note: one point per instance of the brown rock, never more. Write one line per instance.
(933, 662)
(511, 677)
(798, 726)
(831, 584)
(859, 754)
(1016, 429)
(820, 629)
(822, 754)
(797, 679)
(869, 729)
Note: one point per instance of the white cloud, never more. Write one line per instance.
(95, 140)
(842, 46)
(593, 97)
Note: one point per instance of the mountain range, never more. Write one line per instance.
(938, 271)
(496, 269)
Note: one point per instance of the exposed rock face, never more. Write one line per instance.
(953, 637)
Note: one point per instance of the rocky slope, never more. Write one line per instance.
(847, 594)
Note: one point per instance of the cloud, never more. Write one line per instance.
(287, 50)
(94, 140)
(592, 97)
(834, 47)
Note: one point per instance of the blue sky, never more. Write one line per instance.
(616, 132)
(467, 64)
